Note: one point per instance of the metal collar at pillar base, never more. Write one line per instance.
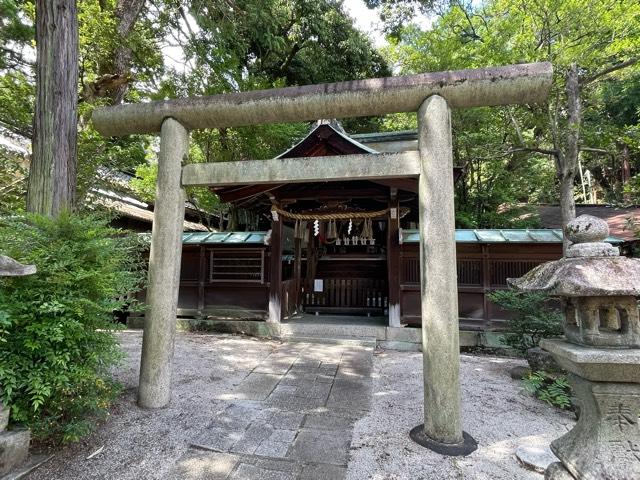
(467, 446)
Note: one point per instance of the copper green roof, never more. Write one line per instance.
(408, 236)
(223, 237)
(501, 236)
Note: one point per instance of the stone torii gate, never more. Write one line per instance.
(431, 95)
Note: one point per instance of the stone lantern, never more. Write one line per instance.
(598, 290)
(14, 444)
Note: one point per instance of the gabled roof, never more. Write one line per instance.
(398, 141)
(326, 139)
(130, 207)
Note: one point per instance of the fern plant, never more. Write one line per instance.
(552, 389)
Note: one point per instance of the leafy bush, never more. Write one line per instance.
(533, 318)
(552, 389)
(56, 327)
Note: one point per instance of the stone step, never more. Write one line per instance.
(327, 330)
(369, 342)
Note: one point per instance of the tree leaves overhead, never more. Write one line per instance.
(133, 50)
(240, 44)
(15, 31)
(509, 147)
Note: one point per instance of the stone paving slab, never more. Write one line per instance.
(291, 417)
(251, 472)
(203, 465)
(257, 386)
(322, 446)
(144, 444)
(323, 472)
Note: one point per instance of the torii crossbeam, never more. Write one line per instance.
(431, 95)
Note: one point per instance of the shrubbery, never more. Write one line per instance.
(56, 327)
(533, 318)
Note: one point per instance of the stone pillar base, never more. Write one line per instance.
(464, 448)
(14, 449)
(605, 443)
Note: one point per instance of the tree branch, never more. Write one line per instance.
(611, 69)
(596, 150)
(511, 151)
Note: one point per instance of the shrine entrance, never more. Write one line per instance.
(431, 95)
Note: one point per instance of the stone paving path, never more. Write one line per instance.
(292, 417)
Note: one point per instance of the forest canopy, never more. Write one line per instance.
(513, 157)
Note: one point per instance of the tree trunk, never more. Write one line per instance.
(127, 13)
(569, 159)
(52, 176)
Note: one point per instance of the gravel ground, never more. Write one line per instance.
(144, 444)
(495, 412)
(147, 444)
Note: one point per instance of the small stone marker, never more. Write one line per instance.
(10, 268)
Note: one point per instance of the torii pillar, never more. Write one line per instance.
(442, 428)
(154, 390)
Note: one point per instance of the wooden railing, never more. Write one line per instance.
(480, 270)
(351, 294)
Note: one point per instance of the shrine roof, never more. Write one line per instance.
(537, 235)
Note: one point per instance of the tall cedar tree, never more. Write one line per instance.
(52, 177)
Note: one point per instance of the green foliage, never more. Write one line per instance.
(500, 147)
(552, 389)
(226, 47)
(57, 344)
(14, 31)
(13, 173)
(533, 318)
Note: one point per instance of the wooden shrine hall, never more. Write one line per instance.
(343, 248)
(346, 235)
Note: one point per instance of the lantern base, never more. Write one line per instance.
(605, 443)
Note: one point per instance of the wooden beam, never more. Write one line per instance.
(233, 195)
(406, 184)
(301, 170)
(333, 194)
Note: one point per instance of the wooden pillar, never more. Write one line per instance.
(442, 429)
(393, 260)
(275, 273)
(486, 284)
(164, 269)
(297, 273)
(202, 278)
